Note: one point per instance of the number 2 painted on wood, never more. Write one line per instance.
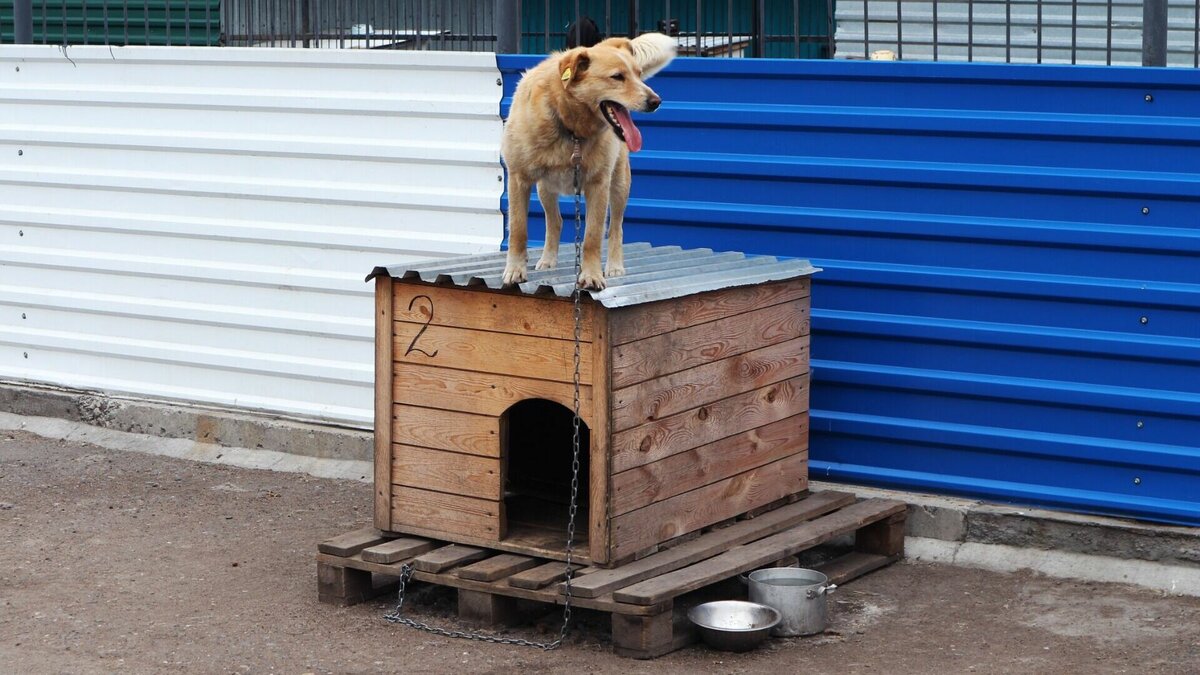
(412, 346)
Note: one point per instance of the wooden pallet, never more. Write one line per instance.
(646, 597)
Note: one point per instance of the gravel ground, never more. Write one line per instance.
(124, 562)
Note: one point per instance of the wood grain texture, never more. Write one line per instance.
(383, 402)
(446, 513)
(542, 544)
(479, 393)
(484, 352)
(446, 577)
(658, 398)
(446, 557)
(683, 431)
(352, 542)
(660, 355)
(688, 470)
(541, 576)
(443, 471)
(397, 549)
(600, 461)
(643, 321)
(446, 430)
(758, 553)
(501, 312)
(600, 582)
(497, 567)
(717, 501)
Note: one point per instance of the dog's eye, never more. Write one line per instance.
(619, 77)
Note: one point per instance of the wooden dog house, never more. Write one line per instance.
(693, 386)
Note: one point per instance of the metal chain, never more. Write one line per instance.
(406, 571)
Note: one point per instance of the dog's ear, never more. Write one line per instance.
(618, 43)
(573, 65)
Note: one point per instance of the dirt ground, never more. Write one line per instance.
(122, 562)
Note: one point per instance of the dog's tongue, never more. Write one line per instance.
(633, 137)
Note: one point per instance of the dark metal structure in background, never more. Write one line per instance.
(1112, 32)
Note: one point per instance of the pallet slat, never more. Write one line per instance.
(397, 549)
(352, 542)
(608, 580)
(446, 557)
(497, 567)
(758, 553)
(541, 576)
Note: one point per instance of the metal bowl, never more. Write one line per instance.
(733, 625)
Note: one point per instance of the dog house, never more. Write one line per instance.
(693, 389)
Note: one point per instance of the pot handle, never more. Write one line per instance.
(818, 592)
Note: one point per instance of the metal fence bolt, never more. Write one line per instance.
(1149, 98)
(499, 82)
(1140, 424)
(18, 69)
(25, 354)
(1144, 320)
(22, 315)
(20, 153)
(1137, 481)
(1145, 210)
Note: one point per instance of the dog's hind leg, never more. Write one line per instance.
(619, 195)
(554, 223)
(518, 229)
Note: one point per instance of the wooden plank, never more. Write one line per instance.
(544, 544)
(599, 458)
(853, 565)
(488, 609)
(449, 472)
(605, 581)
(709, 382)
(758, 553)
(447, 557)
(686, 471)
(541, 576)
(484, 352)
(551, 595)
(352, 542)
(672, 352)
(479, 393)
(883, 538)
(643, 637)
(683, 431)
(647, 320)
(446, 430)
(342, 586)
(383, 402)
(459, 307)
(446, 513)
(497, 567)
(689, 511)
(397, 549)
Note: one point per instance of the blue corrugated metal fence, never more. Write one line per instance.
(1011, 302)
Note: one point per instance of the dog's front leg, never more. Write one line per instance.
(590, 275)
(554, 223)
(518, 229)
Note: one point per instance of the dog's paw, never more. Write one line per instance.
(591, 280)
(546, 262)
(514, 274)
(614, 270)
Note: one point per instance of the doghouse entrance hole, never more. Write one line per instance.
(536, 450)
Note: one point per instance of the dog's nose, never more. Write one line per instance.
(652, 102)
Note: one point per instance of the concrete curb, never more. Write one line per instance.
(941, 529)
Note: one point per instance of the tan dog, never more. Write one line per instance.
(584, 93)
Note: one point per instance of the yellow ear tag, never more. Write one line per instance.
(566, 76)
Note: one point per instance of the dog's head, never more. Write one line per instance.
(608, 80)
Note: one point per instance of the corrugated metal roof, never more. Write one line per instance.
(652, 273)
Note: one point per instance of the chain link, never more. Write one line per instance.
(406, 571)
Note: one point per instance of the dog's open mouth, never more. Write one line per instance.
(619, 119)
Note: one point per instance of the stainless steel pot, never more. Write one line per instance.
(798, 594)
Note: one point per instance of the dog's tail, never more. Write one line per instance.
(653, 51)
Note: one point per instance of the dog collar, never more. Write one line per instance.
(565, 131)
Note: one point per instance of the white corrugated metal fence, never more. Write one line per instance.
(196, 223)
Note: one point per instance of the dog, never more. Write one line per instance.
(584, 94)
